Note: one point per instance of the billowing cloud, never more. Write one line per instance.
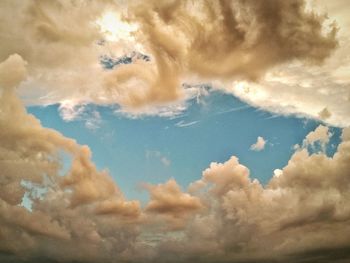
(259, 145)
(224, 216)
(303, 208)
(320, 92)
(184, 41)
(71, 207)
(51, 51)
(168, 201)
(320, 135)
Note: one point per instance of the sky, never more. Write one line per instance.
(181, 146)
(174, 131)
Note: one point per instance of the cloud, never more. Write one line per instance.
(321, 134)
(168, 201)
(309, 193)
(324, 114)
(224, 216)
(71, 208)
(215, 41)
(51, 50)
(12, 71)
(259, 145)
(70, 111)
(234, 41)
(306, 90)
(182, 123)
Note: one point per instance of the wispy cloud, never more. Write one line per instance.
(159, 156)
(70, 111)
(182, 123)
(237, 109)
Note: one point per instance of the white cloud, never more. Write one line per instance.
(277, 173)
(71, 111)
(93, 121)
(259, 145)
(182, 123)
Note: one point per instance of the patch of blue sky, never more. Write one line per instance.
(33, 191)
(214, 127)
(111, 62)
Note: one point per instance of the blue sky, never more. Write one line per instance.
(153, 149)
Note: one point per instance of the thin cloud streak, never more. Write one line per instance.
(182, 123)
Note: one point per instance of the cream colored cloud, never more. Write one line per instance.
(259, 145)
(321, 134)
(225, 216)
(310, 193)
(70, 209)
(320, 92)
(224, 40)
(324, 114)
(168, 201)
(224, 176)
(346, 134)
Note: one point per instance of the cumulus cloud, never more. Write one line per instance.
(320, 135)
(303, 208)
(259, 145)
(302, 213)
(168, 201)
(67, 212)
(224, 216)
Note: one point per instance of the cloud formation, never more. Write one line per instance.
(224, 216)
(51, 50)
(168, 202)
(66, 212)
(184, 41)
(320, 92)
(259, 145)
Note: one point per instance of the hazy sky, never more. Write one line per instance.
(174, 131)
